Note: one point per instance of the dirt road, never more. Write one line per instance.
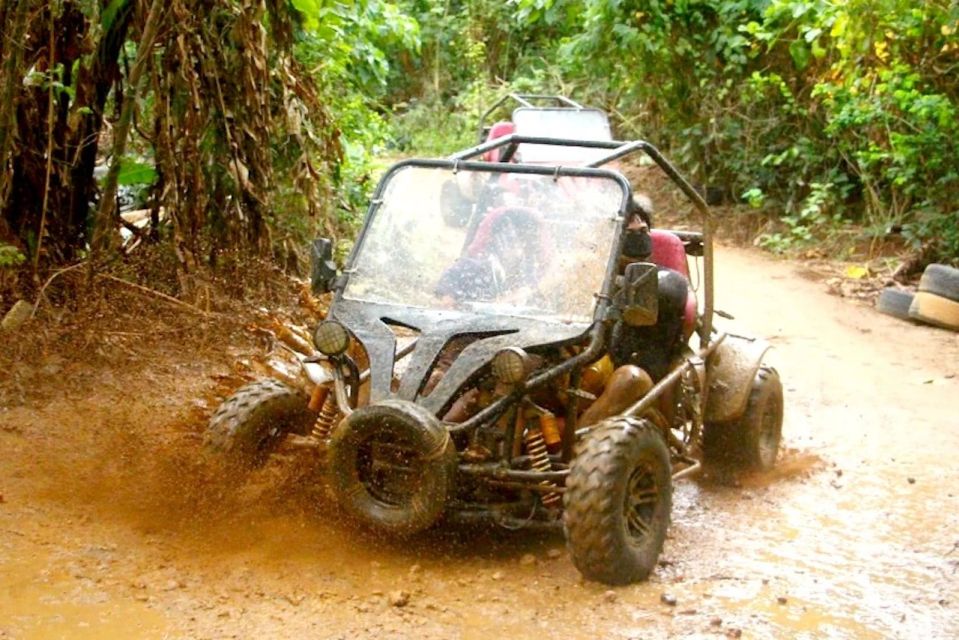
(111, 527)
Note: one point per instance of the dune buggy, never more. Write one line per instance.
(461, 365)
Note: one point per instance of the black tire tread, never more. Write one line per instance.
(895, 302)
(437, 481)
(261, 410)
(593, 502)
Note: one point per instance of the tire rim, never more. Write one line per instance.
(769, 435)
(388, 468)
(641, 502)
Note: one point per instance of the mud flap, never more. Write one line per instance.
(731, 370)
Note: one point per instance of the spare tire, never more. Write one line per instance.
(941, 280)
(895, 303)
(392, 466)
(935, 310)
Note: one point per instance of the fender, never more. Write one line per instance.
(731, 369)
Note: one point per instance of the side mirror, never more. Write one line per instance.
(322, 267)
(640, 294)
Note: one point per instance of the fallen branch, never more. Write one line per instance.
(158, 294)
(60, 272)
(139, 287)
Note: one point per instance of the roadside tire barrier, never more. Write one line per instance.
(941, 280)
(895, 303)
(935, 310)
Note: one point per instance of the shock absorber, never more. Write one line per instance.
(539, 461)
(326, 420)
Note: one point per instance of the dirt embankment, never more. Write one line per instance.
(113, 524)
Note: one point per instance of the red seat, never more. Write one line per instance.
(689, 314)
(498, 130)
(669, 252)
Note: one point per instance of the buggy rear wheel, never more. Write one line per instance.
(249, 424)
(752, 441)
(618, 501)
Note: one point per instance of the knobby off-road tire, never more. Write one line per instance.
(618, 501)
(752, 442)
(392, 467)
(249, 424)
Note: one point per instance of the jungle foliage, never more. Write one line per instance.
(240, 125)
(244, 126)
(821, 113)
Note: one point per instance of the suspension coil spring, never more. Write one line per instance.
(539, 461)
(326, 420)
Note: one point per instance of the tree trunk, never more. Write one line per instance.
(93, 88)
(13, 33)
(104, 221)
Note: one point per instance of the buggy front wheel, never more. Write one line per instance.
(249, 424)
(618, 500)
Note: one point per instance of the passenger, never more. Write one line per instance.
(650, 347)
(642, 355)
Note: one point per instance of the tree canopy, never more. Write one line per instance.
(244, 124)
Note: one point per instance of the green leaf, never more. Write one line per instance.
(10, 256)
(135, 172)
(800, 54)
(109, 15)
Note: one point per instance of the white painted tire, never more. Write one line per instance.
(935, 310)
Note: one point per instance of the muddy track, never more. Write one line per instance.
(111, 525)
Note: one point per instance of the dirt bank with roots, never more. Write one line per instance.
(114, 524)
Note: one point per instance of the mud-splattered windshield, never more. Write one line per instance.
(488, 243)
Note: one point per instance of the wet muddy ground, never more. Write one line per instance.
(112, 526)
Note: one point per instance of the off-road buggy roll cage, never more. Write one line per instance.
(364, 319)
(528, 101)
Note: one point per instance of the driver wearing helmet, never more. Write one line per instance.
(652, 347)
